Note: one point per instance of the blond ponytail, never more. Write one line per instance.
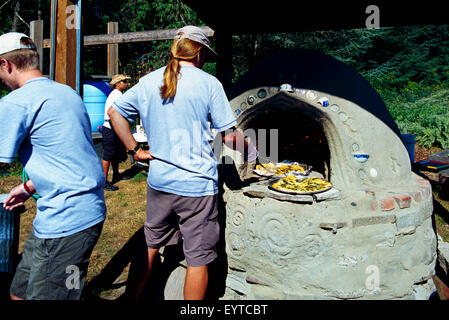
(182, 49)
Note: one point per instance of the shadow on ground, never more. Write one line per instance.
(171, 259)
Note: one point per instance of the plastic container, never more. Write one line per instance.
(409, 143)
(9, 237)
(95, 94)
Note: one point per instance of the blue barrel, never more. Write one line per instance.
(409, 143)
(9, 234)
(95, 94)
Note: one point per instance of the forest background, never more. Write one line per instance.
(408, 66)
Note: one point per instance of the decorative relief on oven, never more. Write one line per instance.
(251, 99)
(311, 245)
(348, 121)
(351, 125)
(311, 95)
(238, 217)
(343, 116)
(335, 107)
(277, 234)
(395, 165)
(300, 92)
(262, 93)
(286, 87)
(361, 157)
(362, 174)
(323, 101)
(236, 246)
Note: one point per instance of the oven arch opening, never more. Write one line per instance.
(298, 132)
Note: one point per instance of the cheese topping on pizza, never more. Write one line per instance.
(279, 169)
(291, 183)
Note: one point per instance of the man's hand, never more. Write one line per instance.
(142, 155)
(237, 141)
(16, 198)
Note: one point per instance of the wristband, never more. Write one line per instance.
(133, 151)
(26, 189)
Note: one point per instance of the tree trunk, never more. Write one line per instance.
(39, 11)
(16, 16)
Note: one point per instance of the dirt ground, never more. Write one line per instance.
(110, 260)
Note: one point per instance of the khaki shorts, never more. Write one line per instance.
(171, 216)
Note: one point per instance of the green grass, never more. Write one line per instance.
(139, 178)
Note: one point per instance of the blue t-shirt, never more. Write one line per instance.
(179, 130)
(47, 124)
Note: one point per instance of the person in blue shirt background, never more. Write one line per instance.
(179, 104)
(47, 124)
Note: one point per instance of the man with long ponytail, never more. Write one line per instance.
(179, 104)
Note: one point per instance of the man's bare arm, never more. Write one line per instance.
(121, 127)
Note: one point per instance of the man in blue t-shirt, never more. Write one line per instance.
(179, 105)
(47, 124)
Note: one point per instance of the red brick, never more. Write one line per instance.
(387, 204)
(403, 201)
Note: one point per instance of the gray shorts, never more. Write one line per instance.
(195, 219)
(55, 269)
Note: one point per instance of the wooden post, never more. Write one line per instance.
(65, 43)
(37, 35)
(112, 50)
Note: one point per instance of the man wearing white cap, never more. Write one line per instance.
(113, 150)
(47, 124)
(179, 105)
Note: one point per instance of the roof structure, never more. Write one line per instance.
(251, 16)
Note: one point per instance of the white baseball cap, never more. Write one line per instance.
(196, 34)
(11, 41)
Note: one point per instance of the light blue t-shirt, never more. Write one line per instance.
(179, 130)
(47, 124)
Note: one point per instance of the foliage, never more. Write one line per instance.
(3, 89)
(11, 169)
(136, 59)
(427, 119)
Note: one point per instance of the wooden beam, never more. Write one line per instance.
(65, 45)
(37, 35)
(127, 37)
(112, 50)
